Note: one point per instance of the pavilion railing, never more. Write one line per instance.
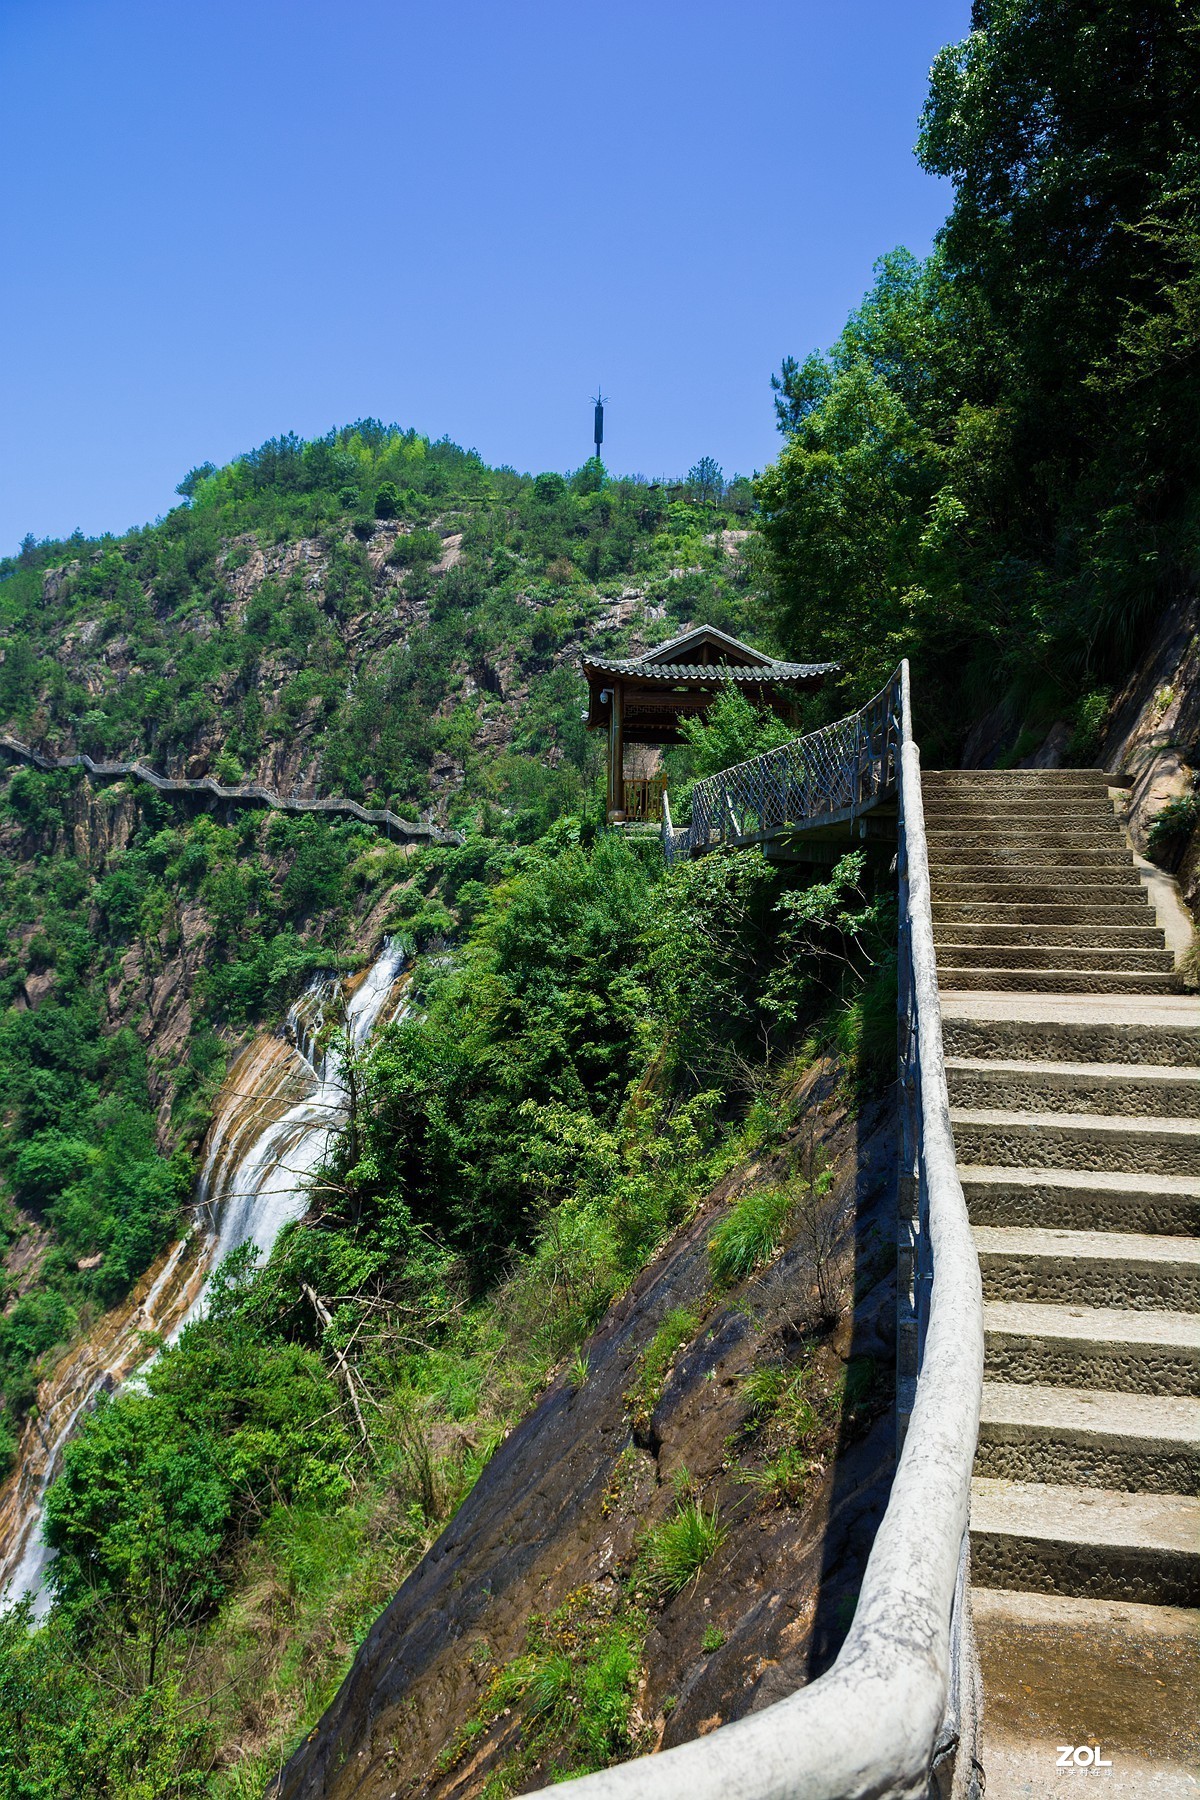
(830, 775)
(643, 796)
(897, 1716)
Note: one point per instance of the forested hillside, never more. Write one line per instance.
(995, 471)
(371, 615)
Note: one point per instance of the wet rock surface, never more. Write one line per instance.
(561, 1507)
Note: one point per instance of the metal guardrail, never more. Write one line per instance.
(246, 791)
(827, 777)
(898, 1714)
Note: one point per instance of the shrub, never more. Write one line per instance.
(1171, 828)
(1091, 715)
(749, 1235)
(387, 501)
(411, 547)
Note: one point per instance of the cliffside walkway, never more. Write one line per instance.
(247, 793)
(1048, 1304)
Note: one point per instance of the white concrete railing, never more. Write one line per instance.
(897, 1714)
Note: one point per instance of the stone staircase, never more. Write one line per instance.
(1073, 1062)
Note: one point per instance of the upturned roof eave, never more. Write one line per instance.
(663, 674)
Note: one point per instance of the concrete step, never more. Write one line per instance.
(1141, 1271)
(1051, 1661)
(951, 852)
(1073, 1200)
(1082, 1437)
(982, 1082)
(960, 980)
(1076, 934)
(1125, 909)
(1124, 904)
(1038, 887)
(1142, 1145)
(1023, 780)
(1049, 803)
(1096, 1543)
(1089, 885)
(1053, 956)
(1083, 1028)
(1027, 840)
(1104, 1347)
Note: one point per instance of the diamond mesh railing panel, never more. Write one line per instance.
(843, 768)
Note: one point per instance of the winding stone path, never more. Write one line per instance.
(247, 793)
(1073, 1061)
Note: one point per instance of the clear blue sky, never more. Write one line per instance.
(224, 219)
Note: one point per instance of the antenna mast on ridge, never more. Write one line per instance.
(599, 423)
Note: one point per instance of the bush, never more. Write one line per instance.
(1091, 716)
(387, 501)
(1171, 828)
(411, 547)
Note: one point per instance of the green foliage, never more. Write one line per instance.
(1091, 717)
(1171, 828)
(731, 731)
(749, 1235)
(797, 1413)
(672, 1555)
(994, 469)
(677, 1329)
(417, 546)
(159, 1485)
(574, 1686)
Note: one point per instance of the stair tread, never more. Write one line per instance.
(1069, 1612)
(1180, 1011)
(1111, 1181)
(1092, 1324)
(1150, 1073)
(1103, 1124)
(1167, 1418)
(1109, 1246)
(1099, 1516)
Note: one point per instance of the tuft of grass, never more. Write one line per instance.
(673, 1553)
(749, 1235)
(796, 1415)
(712, 1640)
(677, 1329)
(578, 1370)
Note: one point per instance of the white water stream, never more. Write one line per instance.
(269, 1133)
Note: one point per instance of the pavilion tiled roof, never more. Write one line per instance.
(758, 672)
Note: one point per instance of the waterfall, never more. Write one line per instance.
(271, 1125)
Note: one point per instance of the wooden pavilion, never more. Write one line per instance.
(641, 700)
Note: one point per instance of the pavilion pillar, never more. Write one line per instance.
(616, 752)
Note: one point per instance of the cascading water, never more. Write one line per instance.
(270, 1128)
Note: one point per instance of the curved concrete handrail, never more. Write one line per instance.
(247, 791)
(892, 1701)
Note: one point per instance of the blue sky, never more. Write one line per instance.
(231, 218)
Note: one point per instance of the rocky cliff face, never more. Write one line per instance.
(550, 1547)
(358, 608)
